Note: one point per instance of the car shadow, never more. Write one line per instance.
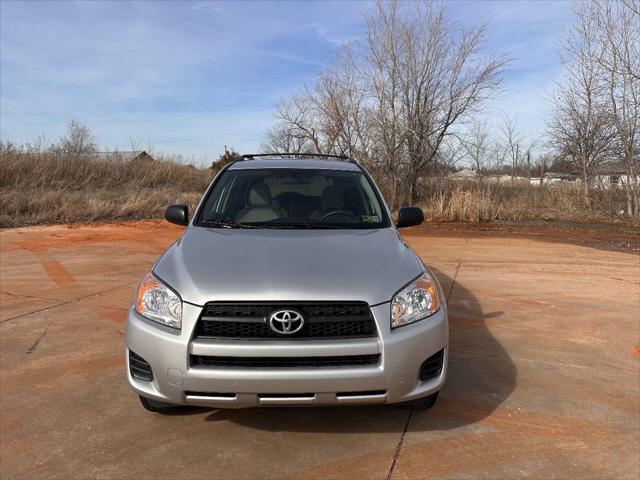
(481, 376)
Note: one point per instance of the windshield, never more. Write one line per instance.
(292, 198)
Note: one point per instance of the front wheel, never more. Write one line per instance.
(159, 407)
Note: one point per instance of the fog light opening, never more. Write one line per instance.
(139, 367)
(432, 367)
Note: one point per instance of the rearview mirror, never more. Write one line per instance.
(409, 216)
(178, 214)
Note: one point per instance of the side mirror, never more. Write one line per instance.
(409, 216)
(178, 214)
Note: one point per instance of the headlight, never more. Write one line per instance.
(414, 302)
(158, 302)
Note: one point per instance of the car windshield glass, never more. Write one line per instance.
(292, 198)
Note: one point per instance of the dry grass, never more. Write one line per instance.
(48, 188)
(482, 201)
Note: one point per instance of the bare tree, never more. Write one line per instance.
(513, 143)
(282, 139)
(618, 24)
(300, 121)
(396, 101)
(339, 100)
(441, 76)
(632, 5)
(79, 140)
(581, 128)
(544, 162)
(618, 40)
(477, 146)
(328, 116)
(497, 155)
(383, 70)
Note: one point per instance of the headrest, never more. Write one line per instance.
(332, 198)
(260, 196)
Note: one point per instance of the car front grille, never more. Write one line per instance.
(322, 320)
(285, 362)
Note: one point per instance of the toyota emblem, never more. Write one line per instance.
(286, 322)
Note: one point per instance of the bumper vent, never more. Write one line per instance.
(285, 362)
(432, 366)
(139, 367)
(322, 320)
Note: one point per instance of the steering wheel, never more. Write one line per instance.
(344, 213)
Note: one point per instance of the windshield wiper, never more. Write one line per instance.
(228, 224)
(302, 225)
(234, 224)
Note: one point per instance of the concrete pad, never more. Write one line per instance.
(544, 377)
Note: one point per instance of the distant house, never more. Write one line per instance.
(464, 174)
(471, 174)
(123, 156)
(558, 178)
(613, 174)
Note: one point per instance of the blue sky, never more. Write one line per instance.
(191, 77)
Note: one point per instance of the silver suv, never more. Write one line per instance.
(289, 286)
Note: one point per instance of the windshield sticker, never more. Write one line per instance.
(370, 219)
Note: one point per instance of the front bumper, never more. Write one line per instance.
(396, 379)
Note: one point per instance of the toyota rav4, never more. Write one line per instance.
(289, 286)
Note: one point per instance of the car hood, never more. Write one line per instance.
(215, 264)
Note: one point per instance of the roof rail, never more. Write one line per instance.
(251, 156)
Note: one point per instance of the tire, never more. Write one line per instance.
(160, 407)
(424, 403)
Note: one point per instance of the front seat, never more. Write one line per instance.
(259, 206)
(332, 200)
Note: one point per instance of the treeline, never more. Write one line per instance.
(597, 103)
(40, 184)
(408, 100)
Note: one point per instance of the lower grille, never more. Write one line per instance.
(211, 394)
(432, 366)
(139, 367)
(285, 362)
(361, 393)
(262, 396)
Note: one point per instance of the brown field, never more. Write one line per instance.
(46, 188)
(487, 201)
(51, 189)
(544, 376)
